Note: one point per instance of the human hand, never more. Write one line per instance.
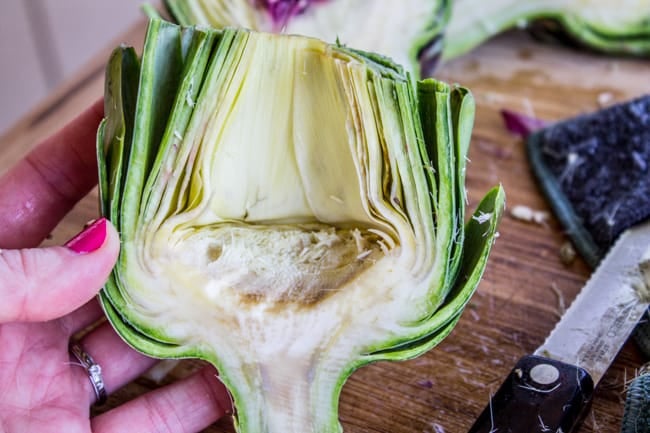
(48, 295)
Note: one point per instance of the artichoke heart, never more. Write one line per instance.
(289, 211)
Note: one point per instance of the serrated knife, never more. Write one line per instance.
(549, 391)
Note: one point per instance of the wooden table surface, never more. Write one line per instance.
(525, 285)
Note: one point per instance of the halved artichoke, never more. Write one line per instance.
(408, 31)
(612, 26)
(289, 211)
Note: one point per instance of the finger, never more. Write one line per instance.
(120, 364)
(41, 284)
(188, 405)
(38, 191)
(78, 320)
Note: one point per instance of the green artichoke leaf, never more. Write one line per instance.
(603, 25)
(120, 92)
(409, 34)
(279, 197)
(160, 74)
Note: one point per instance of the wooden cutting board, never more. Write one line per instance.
(526, 285)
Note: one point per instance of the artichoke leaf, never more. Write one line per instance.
(119, 105)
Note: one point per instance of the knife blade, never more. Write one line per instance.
(550, 390)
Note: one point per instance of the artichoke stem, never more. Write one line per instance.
(286, 400)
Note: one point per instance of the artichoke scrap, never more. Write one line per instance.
(610, 26)
(408, 31)
(289, 211)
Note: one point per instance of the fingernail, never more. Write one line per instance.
(90, 239)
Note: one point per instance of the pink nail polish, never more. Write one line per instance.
(90, 239)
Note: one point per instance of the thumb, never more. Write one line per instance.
(39, 284)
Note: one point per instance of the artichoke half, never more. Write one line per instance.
(611, 26)
(408, 31)
(289, 211)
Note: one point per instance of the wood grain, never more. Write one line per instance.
(519, 298)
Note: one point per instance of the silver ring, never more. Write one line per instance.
(93, 369)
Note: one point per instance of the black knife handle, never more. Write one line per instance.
(540, 395)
